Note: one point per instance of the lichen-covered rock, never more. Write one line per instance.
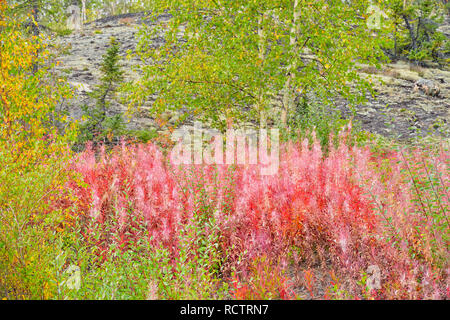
(429, 87)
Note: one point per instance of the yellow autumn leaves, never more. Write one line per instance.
(33, 156)
(27, 96)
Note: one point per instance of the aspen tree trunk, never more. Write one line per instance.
(289, 94)
(261, 57)
(83, 12)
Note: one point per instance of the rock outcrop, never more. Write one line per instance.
(428, 87)
(399, 111)
(80, 56)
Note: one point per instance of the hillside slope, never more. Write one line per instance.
(397, 111)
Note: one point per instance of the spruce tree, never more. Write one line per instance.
(99, 126)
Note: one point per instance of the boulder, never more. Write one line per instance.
(429, 87)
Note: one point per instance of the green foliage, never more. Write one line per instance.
(145, 135)
(266, 281)
(415, 34)
(430, 193)
(49, 13)
(308, 116)
(62, 31)
(98, 126)
(121, 274)
(141, 270)
(197, 271)
(231, 60)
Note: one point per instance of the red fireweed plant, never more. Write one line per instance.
(345, 210)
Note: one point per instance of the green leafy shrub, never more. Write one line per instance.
(415, 32)
(33, 156)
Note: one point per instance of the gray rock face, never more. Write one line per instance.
(445, 27)
(427, 86)
(80, 57)
(401, 112)
(397, 110)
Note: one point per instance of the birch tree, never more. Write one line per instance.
(223, 60)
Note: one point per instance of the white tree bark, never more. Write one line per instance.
(261, 57)
(289, 94)
(83, 12)
(74, 21)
